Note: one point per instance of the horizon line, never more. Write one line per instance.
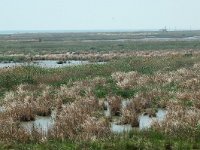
(23, 31)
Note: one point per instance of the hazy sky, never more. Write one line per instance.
(99, 14)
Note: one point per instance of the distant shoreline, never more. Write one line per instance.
(66, 31)
(4, 32)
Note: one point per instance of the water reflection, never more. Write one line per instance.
(115, 128)
(145, 121)
(41, 124)
(56, 64)
(9, 64)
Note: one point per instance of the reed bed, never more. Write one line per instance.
(24, 105)
(179, 121)
(101, 56)
(80, 110)
(130, 79)
(12, 131)
(95, 56)
(76, 118)
(130, 116)
(115, 105)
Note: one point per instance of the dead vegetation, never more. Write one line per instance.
(79, 111)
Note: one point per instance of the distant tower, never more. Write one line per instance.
(164, 29)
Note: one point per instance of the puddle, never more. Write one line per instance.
(9, 64)
(115, 128)
(48, 63)
(145, 121)
(54, 63)
(2, 109)
(42, 124)
(100, 63)
(107, 112)
(161, 114)
(125, 103)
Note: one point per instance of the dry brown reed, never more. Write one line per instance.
(140, 103)
(71, 121)
(77, 90)
(77, 105)
(94, 128)
(151, 112)
(24, 105)
(19, 105)
(130, 116)
(44, 103)
(115, 105)
(179, 120)
(106, 56)
(130, 79)
(126, 80)
(12, 131)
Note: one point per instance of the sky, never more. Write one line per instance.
(99, 14)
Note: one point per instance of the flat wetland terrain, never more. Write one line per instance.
(100, 90)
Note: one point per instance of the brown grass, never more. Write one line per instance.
(130, 116)
(179, 120)
(71, 120)
(24, 105)
(115, 105)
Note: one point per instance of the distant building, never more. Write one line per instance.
(164, 30)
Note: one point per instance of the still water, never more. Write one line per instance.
(45, 63)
